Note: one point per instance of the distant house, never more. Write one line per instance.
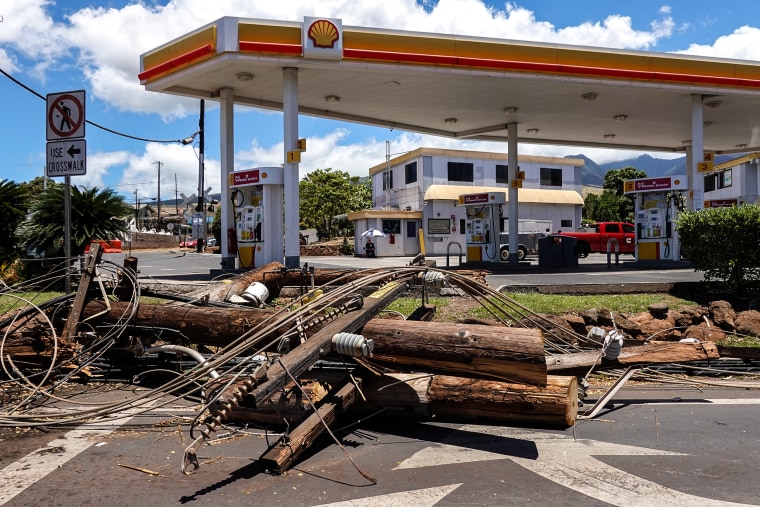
(420, 190)
(734, 182)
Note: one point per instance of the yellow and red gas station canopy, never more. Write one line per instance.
(467, 87)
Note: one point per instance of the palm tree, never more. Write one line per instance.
(14, 203)
(94, 215)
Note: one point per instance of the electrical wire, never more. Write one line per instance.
(94, 124)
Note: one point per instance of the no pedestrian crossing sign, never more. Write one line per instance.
(65, 115)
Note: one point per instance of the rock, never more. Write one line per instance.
(703, 333)
(656, 328)
(689, 316)
(748, 323)
(722, 314)
(628, 326)
(659, 310)
(576, 323)
(590, 316)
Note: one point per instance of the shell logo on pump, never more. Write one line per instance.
(322, 38)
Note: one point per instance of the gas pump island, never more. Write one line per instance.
(256, 196)
(657, 204)
(483, 221)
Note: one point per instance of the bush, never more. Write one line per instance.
(723, 242)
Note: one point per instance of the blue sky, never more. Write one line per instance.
(95, 45)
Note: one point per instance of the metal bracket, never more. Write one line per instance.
(606, 397)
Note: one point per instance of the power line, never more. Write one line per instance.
(137, 138)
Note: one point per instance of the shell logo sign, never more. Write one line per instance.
(322, 38)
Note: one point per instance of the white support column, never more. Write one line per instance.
(227, 152)
(696, 179)
(290, 137)
(512, 192)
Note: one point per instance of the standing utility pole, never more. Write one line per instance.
(159, 192)
(201, 169)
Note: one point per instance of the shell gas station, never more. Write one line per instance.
(470, 88)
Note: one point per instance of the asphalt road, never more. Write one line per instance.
(653, 446)
(185, 265)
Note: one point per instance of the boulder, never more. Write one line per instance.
(748, 323)
(659, 310)
(704, 333)
(722, 314)
(689, 316)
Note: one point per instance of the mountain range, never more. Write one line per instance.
(592, 174)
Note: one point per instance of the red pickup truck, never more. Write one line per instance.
(594, 238)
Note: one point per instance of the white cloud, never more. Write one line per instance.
(743, 43)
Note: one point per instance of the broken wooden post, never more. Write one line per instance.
(469, 350)
(284, 453)
(88, 274)
(458, 399)
(306, 354)
(579, 363)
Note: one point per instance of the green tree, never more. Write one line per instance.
(326, 194)
(14, 204)
(612, 205)
(723, 242)
(94, 215)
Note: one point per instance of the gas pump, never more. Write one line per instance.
(657, 204)
(256, 196)
(483, 218)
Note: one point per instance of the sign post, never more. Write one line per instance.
(66, 153)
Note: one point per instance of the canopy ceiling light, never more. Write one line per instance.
(510, 110)
(620, 117)
(450, 121)
(707, 124)
(713, 104)
(741, 146)
(332, 99)
(686, 142)
(244, 76)
(609, 136)
(590, 96)
(532, 131)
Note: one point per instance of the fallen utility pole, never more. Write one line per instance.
(305, 355)
(579, 363)
(457, 399)
(286, 451)
(468, 350)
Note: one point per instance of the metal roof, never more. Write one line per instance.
(470, 88)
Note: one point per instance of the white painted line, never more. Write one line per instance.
(568, 462)
(21, 474)
(418, 498)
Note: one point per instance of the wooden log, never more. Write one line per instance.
(306, 354)
(286, 451)
(458, 399)
(200, 324)
(286, 406)
(468, 350)
(579, 363)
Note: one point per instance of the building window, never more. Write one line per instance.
(392, 226)
(461, 226)
(460, 171)
(438, 226)
(725, 178)
(387, 180)
(709, 183)
(502, 174)
(566, 224)
(551, 177)
(411, 172)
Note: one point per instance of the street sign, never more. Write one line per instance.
(65, 115)
(66, 158)
(294, 157)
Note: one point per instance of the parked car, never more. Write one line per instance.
(189, 243)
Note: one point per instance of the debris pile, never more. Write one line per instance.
(303, 362)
